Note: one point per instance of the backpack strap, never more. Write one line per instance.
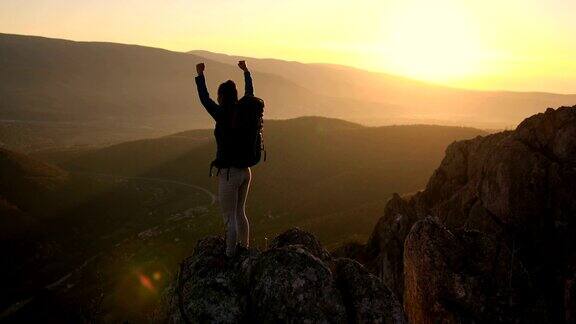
(211, 167)
(262, 137)
(218, 172)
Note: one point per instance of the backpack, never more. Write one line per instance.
(250, 139)
(240, 145)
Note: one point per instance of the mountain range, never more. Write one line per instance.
(62, 93)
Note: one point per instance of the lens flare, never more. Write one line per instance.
(146, 282)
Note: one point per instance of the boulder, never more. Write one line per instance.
(294, 281)
(306, 240)
(289, 284)
(386, 244)
(366, 298)
(465, 277)
(207, 289)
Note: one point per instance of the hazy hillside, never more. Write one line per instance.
(55, 223)
(317, 168)
(57, 93)
(27, 189)
(123, 87)
(417, 102)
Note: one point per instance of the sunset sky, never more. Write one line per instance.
(527, 45)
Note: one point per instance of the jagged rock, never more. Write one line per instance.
(465, 277)
(207, 289)
(520, 188)
(385, 248)
(383, 252)
(296, 236)
(285, 284)
(351, 250)
(368, 300)
(289, 284)
(514, 187)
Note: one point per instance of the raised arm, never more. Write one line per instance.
(248, 86)
(211, 106)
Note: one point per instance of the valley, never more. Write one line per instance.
(113, 249)
(134, 210)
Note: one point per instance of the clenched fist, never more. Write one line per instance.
(200, 68)
(242, 66)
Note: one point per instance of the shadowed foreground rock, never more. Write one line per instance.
(465, 277)
(295, 281)
(368, 300)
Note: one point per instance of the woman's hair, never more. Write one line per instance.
(227, 93)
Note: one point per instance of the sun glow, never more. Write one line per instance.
(433, 40)
(482, 44)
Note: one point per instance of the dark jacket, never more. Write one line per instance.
(224, 132)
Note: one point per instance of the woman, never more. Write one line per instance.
(234, 182)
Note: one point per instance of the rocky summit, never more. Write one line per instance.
(294, 281)
(491, 239)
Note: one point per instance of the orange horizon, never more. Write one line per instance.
(479, 45)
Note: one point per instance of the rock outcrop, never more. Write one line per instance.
(465, 276)
(294, 281)
(492, 238)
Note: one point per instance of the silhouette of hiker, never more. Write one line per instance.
(239, 142)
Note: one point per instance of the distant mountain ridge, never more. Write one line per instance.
(121, 92)
(60, 80)
(415, 101)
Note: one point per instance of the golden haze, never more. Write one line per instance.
(488, 44)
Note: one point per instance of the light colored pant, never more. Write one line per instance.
(233, 186)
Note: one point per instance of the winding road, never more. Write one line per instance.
(189, 185)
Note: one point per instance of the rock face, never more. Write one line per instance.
(368, 300)
(290, 284)
(207, 286)
(297, 237)
(465, 276)
(492, 238)
(295, 281)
